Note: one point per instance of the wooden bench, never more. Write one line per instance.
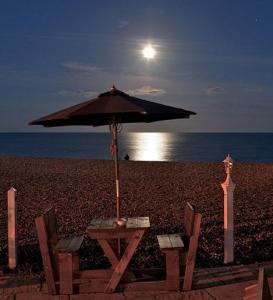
(60, 260)
(260, 290)
(178, 252)
(172, 245)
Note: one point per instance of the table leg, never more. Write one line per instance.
(124, 261)
(109, 252)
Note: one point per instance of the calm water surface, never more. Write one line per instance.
(145, 146)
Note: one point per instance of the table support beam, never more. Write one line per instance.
(124, 261)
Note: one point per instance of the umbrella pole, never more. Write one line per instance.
(115, 150)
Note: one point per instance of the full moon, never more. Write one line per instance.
(149, 52)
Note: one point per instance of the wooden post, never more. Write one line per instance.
(12, 233)
(228, 188)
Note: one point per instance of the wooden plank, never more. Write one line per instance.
(189, 219)
(263, 291)
(94, 224)
(191, 256)
(108, 223)
(99, 274)
(176, 241)
(71, 244)
(251, 289)
(251, 297)
(172, 270)
(109, 252)
(170, 241)
(143, 222)
(164, 241)
(42, 236)
(131, 223)
(62, 244)
(51, 227)
(124, 261)
(66, 273)
(64, 297)
(138, 222)
(76, 263)
(102, 224)
(145, 286)
(93, 286)
(98, 234)
(75, 243)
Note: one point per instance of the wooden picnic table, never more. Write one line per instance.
(105, 230)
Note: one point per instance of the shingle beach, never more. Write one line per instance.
(84, 189)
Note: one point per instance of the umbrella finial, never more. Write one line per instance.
(113, 88)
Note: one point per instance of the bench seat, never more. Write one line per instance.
(170, 241)
(71, 244)
(180, 252)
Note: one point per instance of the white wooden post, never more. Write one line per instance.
(228, 188)
(12, 234)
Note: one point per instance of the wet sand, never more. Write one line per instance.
(84, 189)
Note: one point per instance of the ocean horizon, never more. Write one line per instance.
(141, 146)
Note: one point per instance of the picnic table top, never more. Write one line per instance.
(110, 224)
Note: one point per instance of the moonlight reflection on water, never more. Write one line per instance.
(149, 146)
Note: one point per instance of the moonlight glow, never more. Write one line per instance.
(149, 52)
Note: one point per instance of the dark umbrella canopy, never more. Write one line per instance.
(111, 108)
(113, 104)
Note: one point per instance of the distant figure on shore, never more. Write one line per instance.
(127, 157)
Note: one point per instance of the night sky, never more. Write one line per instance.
(212, 57)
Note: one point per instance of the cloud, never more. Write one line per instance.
(81, 93)
(254, 89)
(122, 23)
(146, 91)
(215, 90)
(76, 66)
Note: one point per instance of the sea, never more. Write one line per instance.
(142, 146)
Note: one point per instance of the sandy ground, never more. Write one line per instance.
(84, 189)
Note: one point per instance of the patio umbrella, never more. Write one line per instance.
(113, 108)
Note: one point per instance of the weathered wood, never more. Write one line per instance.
(124, 261)
(96, 274)
(164, 241)
(104, 231)
(145, 286)
(64, 297)
(172, 270)
(191, 256)
(263, 291)
(138, 222)
(59, 259)
(51, 227)
(66, 272)
(170, 241)
(71, 244)
(189, 219)
(93, 286)
(260, 290)
(133, 223)
(252, 289)
(76, 263)
(102, 223)
(44, 248)
(103, 234)
(12, 230)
